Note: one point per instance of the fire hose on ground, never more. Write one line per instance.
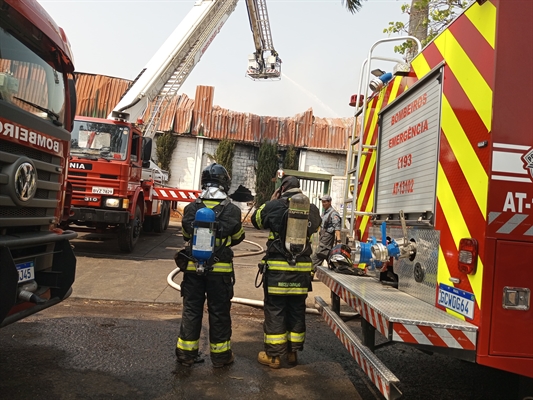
(243, 301)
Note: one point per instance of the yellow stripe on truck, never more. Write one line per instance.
(458, 228)
(484, 19)
(476, 88)
(472, 168)
(420, 66)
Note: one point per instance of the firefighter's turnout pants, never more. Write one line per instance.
(285, 292)
(218, 289)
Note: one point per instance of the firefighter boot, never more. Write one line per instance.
(292, 358)
(188, 361)
(218, 364)
(265, 359)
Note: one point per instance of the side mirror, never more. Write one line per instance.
(146, 151)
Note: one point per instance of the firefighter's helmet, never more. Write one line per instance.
(216, 175)
(340, 260)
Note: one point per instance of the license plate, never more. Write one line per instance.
(102, 190)
(26, 271)
(457, 300)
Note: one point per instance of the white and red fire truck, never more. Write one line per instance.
(115, 184)
(442, 208)
(37, 107)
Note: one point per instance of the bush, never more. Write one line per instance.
(224, 154)
(165, 146)
(291, 158)
(267, 166)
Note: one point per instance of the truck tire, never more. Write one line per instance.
(167, 219)
(161, 221)
(148, 224)
(128, 234)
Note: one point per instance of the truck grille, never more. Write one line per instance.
(39, 210)
(83, 182)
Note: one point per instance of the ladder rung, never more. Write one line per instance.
(356, 140)
(369, 146)
(352, 171)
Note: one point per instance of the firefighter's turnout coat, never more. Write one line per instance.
(286, 281)
(216, 284)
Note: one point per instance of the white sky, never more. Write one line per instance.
(321, 44)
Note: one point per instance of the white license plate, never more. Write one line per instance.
(457, 300)
(102, 190)
(26, 271)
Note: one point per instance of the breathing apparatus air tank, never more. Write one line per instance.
(203, 239)
(297, 221)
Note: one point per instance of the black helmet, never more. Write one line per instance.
(216, 175)
(340, 260)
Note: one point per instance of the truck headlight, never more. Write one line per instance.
(115, 203)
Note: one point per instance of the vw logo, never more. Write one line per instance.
(25, 181)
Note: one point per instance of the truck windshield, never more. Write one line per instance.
(29, 82)
(91, 139)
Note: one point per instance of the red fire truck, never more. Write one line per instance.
(37, 107)
(116, 186)
(442, 206)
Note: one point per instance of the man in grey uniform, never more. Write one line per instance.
(330, 232)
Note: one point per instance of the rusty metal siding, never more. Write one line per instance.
(98, 94)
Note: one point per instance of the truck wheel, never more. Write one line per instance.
(161, 221)
(167, 215)
(148, 224)
(128, 234)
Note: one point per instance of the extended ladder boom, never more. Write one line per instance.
(171, 65)
(261, 66)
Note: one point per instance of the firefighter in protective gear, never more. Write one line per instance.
(287, 277)
(217, 280)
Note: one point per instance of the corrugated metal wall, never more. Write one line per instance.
(98, 94)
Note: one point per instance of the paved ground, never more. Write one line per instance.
(150, 264)
(115, 338)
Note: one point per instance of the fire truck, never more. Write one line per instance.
(37, 108)
(439, 200)
(116, 185)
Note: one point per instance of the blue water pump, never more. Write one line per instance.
(203, 239)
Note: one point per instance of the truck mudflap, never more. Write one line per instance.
(378, 373)
(399, 317)
(57, 277)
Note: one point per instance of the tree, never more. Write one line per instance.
(427, 18)
(166, 144)
(267, 166)
(291, 158)
(224, 154)
(352, 5)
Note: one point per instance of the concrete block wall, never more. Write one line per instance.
(182, 166)
(192, 155)
(324, 163)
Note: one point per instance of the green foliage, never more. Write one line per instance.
(224, 154)
(427, 18)
(267, 166)
(291, 158)
(165, 146)
(352, 5)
